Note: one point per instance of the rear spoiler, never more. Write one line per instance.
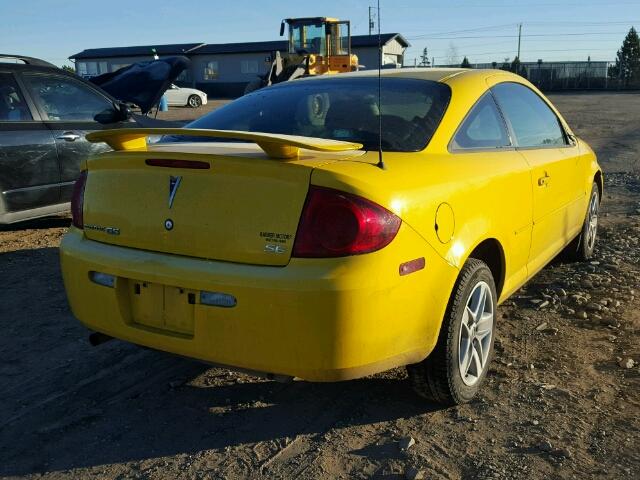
(275, 145)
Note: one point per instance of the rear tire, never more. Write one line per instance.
(458, 365)
(582, 247)
(194, 101)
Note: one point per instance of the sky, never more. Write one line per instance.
(482, 30)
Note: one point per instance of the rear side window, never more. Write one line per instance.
(13, 108)
(484, 127)
(533, 123)
(66, 99)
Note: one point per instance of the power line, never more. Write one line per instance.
(478, 29)
(534, 51)
(574, 40)
(517, 6)
(463, 46)
(510, 25)
(583, 24)
(581, 34)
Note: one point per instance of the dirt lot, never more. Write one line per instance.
(560, 401)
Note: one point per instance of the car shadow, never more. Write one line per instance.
(68, 405)
(161, 421)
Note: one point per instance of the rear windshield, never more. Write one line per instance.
(339, 109)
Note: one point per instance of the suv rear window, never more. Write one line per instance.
(339, 109)
(13, 108)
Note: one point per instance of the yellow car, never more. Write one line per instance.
(281, 234)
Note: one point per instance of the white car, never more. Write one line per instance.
(185, 96)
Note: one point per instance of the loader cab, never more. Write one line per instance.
(326, 42)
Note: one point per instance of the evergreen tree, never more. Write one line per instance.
(465, 63)
(627, 67)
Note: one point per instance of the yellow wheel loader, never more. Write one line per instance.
(317, 46)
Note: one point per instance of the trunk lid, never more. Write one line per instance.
(243, 208)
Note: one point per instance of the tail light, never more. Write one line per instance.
(77, 200)
(338, 224)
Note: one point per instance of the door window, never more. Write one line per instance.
(483, 127)
(534, 124)
(65, 99)
(13, 108)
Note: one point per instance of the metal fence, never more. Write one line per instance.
(553, 76)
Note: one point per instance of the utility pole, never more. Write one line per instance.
(519, 36)
(370, 21)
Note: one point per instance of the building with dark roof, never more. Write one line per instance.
(223, 70)
(144, 50)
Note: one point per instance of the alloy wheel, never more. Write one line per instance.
(476, 331)
(592, 228)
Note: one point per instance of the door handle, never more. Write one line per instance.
(544, 180)
(69, 137)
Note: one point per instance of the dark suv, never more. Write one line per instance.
(45, 113)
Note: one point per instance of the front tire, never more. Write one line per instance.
(194, 101)
(455, 370)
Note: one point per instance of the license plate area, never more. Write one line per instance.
(162, 307)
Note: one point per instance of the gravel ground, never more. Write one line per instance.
(561, 400)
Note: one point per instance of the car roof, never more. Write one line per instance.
(433, 74)
(23, 62)
(41, 66)
(30, 67)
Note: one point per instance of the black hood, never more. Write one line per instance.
(142, 83)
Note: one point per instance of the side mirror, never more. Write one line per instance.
(124, 111)
(282, 28)
(119, 113)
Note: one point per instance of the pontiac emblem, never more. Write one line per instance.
(174, 183)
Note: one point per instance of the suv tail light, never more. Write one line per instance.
(338, 224)
(77, 200)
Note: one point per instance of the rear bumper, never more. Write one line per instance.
(316, 319)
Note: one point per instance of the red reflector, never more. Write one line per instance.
(77, 200)
(163, 162)
(412, 266)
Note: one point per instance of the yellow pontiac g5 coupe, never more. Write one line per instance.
(272, 234)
